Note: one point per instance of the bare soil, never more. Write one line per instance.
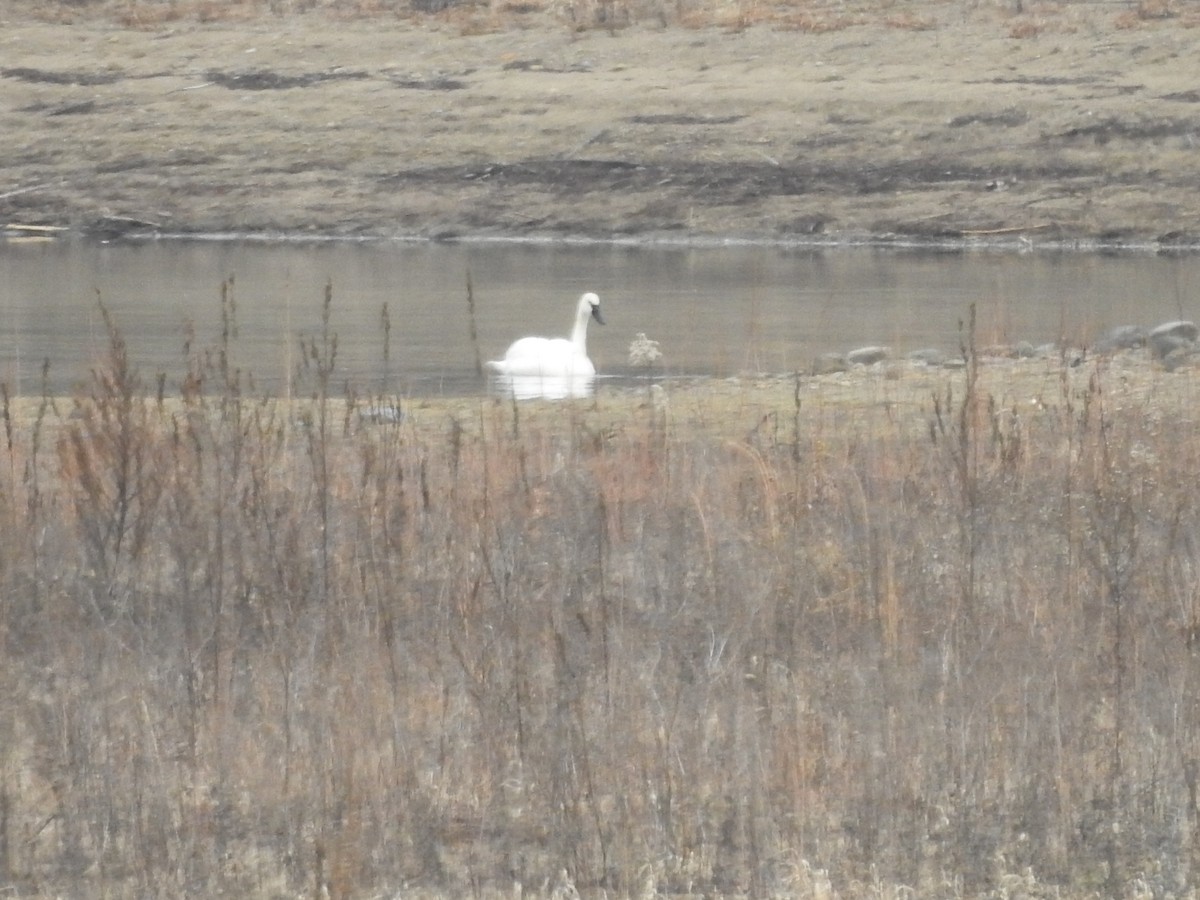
(922, 121)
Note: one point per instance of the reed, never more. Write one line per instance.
(771, 640)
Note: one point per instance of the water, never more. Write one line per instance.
(714, 311)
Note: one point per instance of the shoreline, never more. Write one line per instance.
(13, 234)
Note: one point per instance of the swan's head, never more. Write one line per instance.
(592, 303)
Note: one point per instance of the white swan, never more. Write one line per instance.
(539, 357)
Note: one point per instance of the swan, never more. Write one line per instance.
(553, 357)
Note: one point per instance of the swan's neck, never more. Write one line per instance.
(579, 333)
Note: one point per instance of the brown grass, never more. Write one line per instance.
(851, 637)
(484, 16)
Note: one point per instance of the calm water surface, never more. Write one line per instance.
(714, 311)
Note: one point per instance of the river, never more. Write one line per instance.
(715, 311)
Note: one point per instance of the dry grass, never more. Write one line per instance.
(1021, 19)
(832, 638)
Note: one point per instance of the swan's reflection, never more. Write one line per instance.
(544, 387)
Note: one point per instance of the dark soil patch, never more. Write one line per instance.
(537, 65)
(732, 183)
(62, 109)
(1008, 118)
(264, 80)
(1103, 132)
(430, 84)
(42, 76)
(674, 119)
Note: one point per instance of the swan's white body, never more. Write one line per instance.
(538, 357)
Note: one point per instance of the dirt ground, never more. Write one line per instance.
(1076, 122)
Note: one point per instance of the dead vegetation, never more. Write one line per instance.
(1024, 20)
(935, 638)
(794, 121)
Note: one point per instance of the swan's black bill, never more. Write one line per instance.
(596, 315)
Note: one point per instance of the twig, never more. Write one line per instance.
(772, 160)
(24, 190)
(40, 229)
(1009, 230)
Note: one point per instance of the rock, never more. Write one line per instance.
(1123, 337)
(957, 363)
(829, 363)
(1172, 336)
(382, 414)
(929, 356)
(1164, 345)
(867, 356)
(1180, 358)
(1182, 328)
(1025, 350)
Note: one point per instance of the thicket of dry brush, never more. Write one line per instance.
(255, 648)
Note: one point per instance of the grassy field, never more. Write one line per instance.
(868, 635)
(1023, 20)
(999, 123)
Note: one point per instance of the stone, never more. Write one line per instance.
(928, 356)
(867, 356)
(1171, 336)
(829, 363)
(1182, 328)
(382, 414)
(1123, 337)
(1180, 358)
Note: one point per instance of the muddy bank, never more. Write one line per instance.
(1070, 126)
